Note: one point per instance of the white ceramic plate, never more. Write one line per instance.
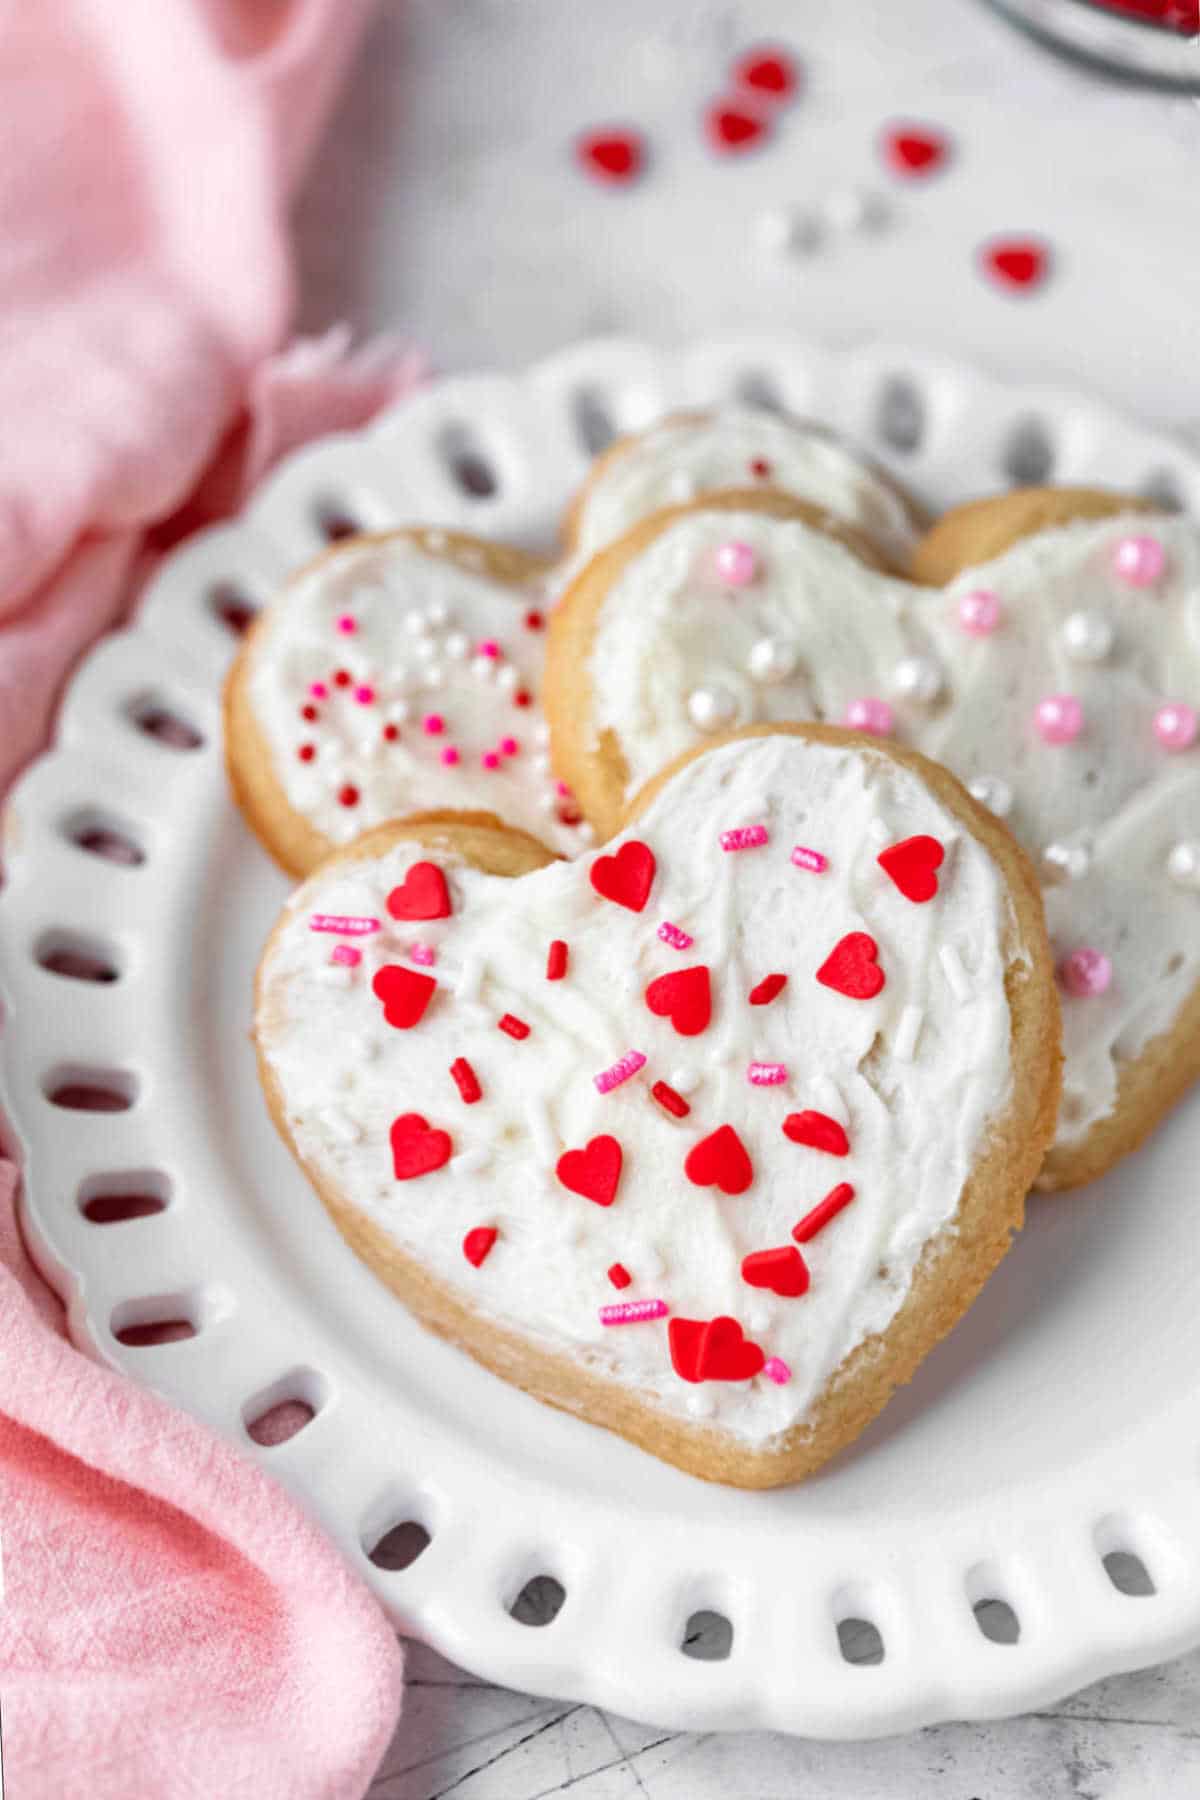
(1057, 1428)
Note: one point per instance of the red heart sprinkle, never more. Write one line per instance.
(477, 1243)
(914, 150)
(416, 1150)
(732, 128)
(784, 1271)
(769, 72)
(626, 877)
(818, 1131)
(593, 1172)
(684, 997)
(913, 864)
(1016, 262)
(405, 994)
(422, 894)
(720, 1160)
(713, 1350)
(852, 967)
(767, 990)
(615, 155)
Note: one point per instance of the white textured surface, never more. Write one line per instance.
(459, 101)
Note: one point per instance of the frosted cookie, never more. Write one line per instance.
(1061, 681)
(707, 1137)
(396, 673)
(691, 454)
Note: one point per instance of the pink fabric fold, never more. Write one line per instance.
(172, 1624)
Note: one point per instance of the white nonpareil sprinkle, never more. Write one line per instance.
(907, 1033)
(952, 969)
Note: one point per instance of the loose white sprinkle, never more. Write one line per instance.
(700, 1404)
(466, 988)
(952, 969)
(879, 831)
(470, 1162)
(457, 646)
(587, 833)
(339, 1125)
(335, 975)
(684, 1081)
(907, 1033)
(992, 792)
(537, 1118)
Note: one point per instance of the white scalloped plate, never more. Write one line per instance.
(1057, 1426)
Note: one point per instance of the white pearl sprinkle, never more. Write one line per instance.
(917, 678)
(711, 708)
(587, 833)
(457, 646)
(399, 711)
(993, 793)
(856, 209)
(426, 649)
(1183, 864)
(771, 659)
(548, 803)
(1066, 862)
(541, 762)
(684, 1081)
(783, 232)
(416, 624)
(1087, 636)
(508, 677)
(700, 1404)
(437, 612)
(483, 667)
(433, 678)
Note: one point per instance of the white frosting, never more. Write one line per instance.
(685, 457)
(1101, 816)
(915, 1126)
(419, 618)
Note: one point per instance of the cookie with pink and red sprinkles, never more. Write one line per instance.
(706, 1136)
(397, 672)
(1057, 672)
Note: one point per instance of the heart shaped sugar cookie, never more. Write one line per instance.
(610, 1214)
(394, 674)
(1060, 679)
(686, 455)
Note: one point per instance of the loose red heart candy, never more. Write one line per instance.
(615, 155)
(732, 128)
(720, 1160)
(685, 997)
(767, 990)
(712, 1350)
(422, 894)
(913, 864)
(1016, 262)
(914, 150)
(405, 994)
(772, 73)
(852, 967)
(593, 1172)
(626, 877)
(783, 1271)
(478, 1243)
(416, 1149)
(818, 1131)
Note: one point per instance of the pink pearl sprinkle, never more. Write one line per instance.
(621, 1070)
(1138, 561)
(675, 936)
(1085, 972)
(631, 1312)
(736, 564)
(979, 612)
(775, 1369)
(318, 690)
(1058, 718)
(815, 861)
(490, 759)
(746, 837)
(561, 788)
(766, 1074)
(425, 954)
(871, 714)
(347, 624)
(450, 755)
(489, 647)
(509, 746)
(433, 724)
(346, 954)
(364, 694)
(1175, 725)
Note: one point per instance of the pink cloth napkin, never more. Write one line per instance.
(171, 1624)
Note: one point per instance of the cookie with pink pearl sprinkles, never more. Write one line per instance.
(701, 1140)
(1060, 679)
(396, 673)
(691, 454)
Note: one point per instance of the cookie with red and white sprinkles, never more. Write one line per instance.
(718, 1187)
(396, 673)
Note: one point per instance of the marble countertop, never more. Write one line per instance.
(445, 207)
